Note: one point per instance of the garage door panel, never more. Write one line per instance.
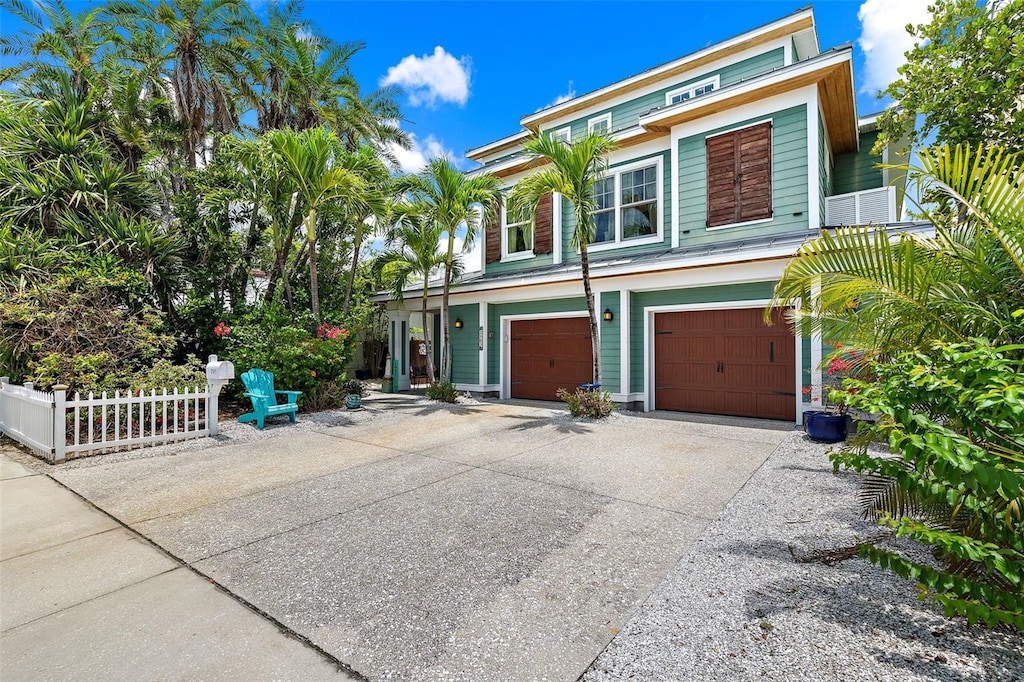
(725, 362)
(549, 354)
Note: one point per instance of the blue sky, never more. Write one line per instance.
(472, 69)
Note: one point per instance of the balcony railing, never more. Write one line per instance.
(868, 207)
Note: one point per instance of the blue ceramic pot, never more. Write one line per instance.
(353, 402)
(826, 428)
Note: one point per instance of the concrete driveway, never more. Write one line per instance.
(484, 542)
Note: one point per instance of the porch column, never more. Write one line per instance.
(398, 346)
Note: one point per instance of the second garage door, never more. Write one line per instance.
(725, 362)
(550, 354)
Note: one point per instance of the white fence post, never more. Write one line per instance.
(60, 441)
(218, 373)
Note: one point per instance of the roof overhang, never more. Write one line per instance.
(510, 142)
(801, 20)
(831, 72)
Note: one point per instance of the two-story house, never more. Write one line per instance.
(729, 159)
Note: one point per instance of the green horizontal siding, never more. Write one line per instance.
(639, 301)
(789, 181)
(496, 311)
(499, 268)
(856, 171)
(465, 344)
(569, 252)
(628, 114)
(611, 341)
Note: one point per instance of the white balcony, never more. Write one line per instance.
(869, 207)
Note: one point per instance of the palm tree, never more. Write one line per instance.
(57, 41)
(889, 293)
(573, 170)
(452, 200)
(198, 66)
(414, 252)
(315, 161)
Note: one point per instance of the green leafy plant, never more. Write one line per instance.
(584, 403)
(353, 387)
(443, 391)
(953, 419)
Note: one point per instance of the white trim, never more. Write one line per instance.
(481, 152)
(659, 187)
(813, 169)
(799, 364)
(816, 344)
(624, 328)
(479, 388)
(607, 118)
(559, 132)
(673, 158)
(626, 397)
(505, 357)
(556, 228)
(482, 360)
(715, 81)
(736, 40)
(507, 257)
(787, 52)
(743, 224)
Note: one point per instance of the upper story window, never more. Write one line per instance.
(562, 135)
(516, 238)
(691, 91)
(628, 204)
(601, 125)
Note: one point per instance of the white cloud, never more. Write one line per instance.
(471, 258)
(432, 77)
(568, 95)
(884, 38)
(415, 159)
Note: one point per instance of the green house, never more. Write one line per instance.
(730, 158)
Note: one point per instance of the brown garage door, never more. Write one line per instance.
(548, 355)
(725, 362)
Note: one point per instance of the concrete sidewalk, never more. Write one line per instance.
(83, 598)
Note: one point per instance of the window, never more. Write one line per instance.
(604, 214)
(739, 170)
(627, 205)
(517, 238)
(692, 91)
(601, 124)
(562, 135)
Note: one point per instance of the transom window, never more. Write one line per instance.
(600, 125)
(692, 91)
(627, 205)
(517, 238)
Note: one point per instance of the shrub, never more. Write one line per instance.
(583, 403)
(299, 359)
(353, 387)
(954, 423)
(443, 391)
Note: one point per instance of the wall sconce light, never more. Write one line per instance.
(458, 323)
(608, 315)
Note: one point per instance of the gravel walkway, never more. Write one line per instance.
(738, 607)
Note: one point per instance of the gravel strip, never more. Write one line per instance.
(738, 607)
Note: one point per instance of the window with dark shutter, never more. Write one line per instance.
(739, 166)
(543, 225)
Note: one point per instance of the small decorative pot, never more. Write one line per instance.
(825, 427)
(353, 402)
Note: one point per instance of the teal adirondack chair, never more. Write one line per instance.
(259, 385)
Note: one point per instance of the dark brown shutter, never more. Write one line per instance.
(492, 238)
(740, 175)
(542, 229)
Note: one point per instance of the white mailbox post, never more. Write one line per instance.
(218, 373)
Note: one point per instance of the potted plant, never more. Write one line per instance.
(830, 423)
(354, 391)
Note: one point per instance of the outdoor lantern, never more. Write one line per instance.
(608, 315)
(458, 323)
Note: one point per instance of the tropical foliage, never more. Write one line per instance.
(572, 171)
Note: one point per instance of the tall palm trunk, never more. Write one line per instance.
(356, 244)
(446, 350)
(426, 333)
(595, 343)
(314, 289)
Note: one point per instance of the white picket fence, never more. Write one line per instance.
(56, 427)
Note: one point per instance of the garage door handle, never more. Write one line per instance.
(721, 367)
(771, 351)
